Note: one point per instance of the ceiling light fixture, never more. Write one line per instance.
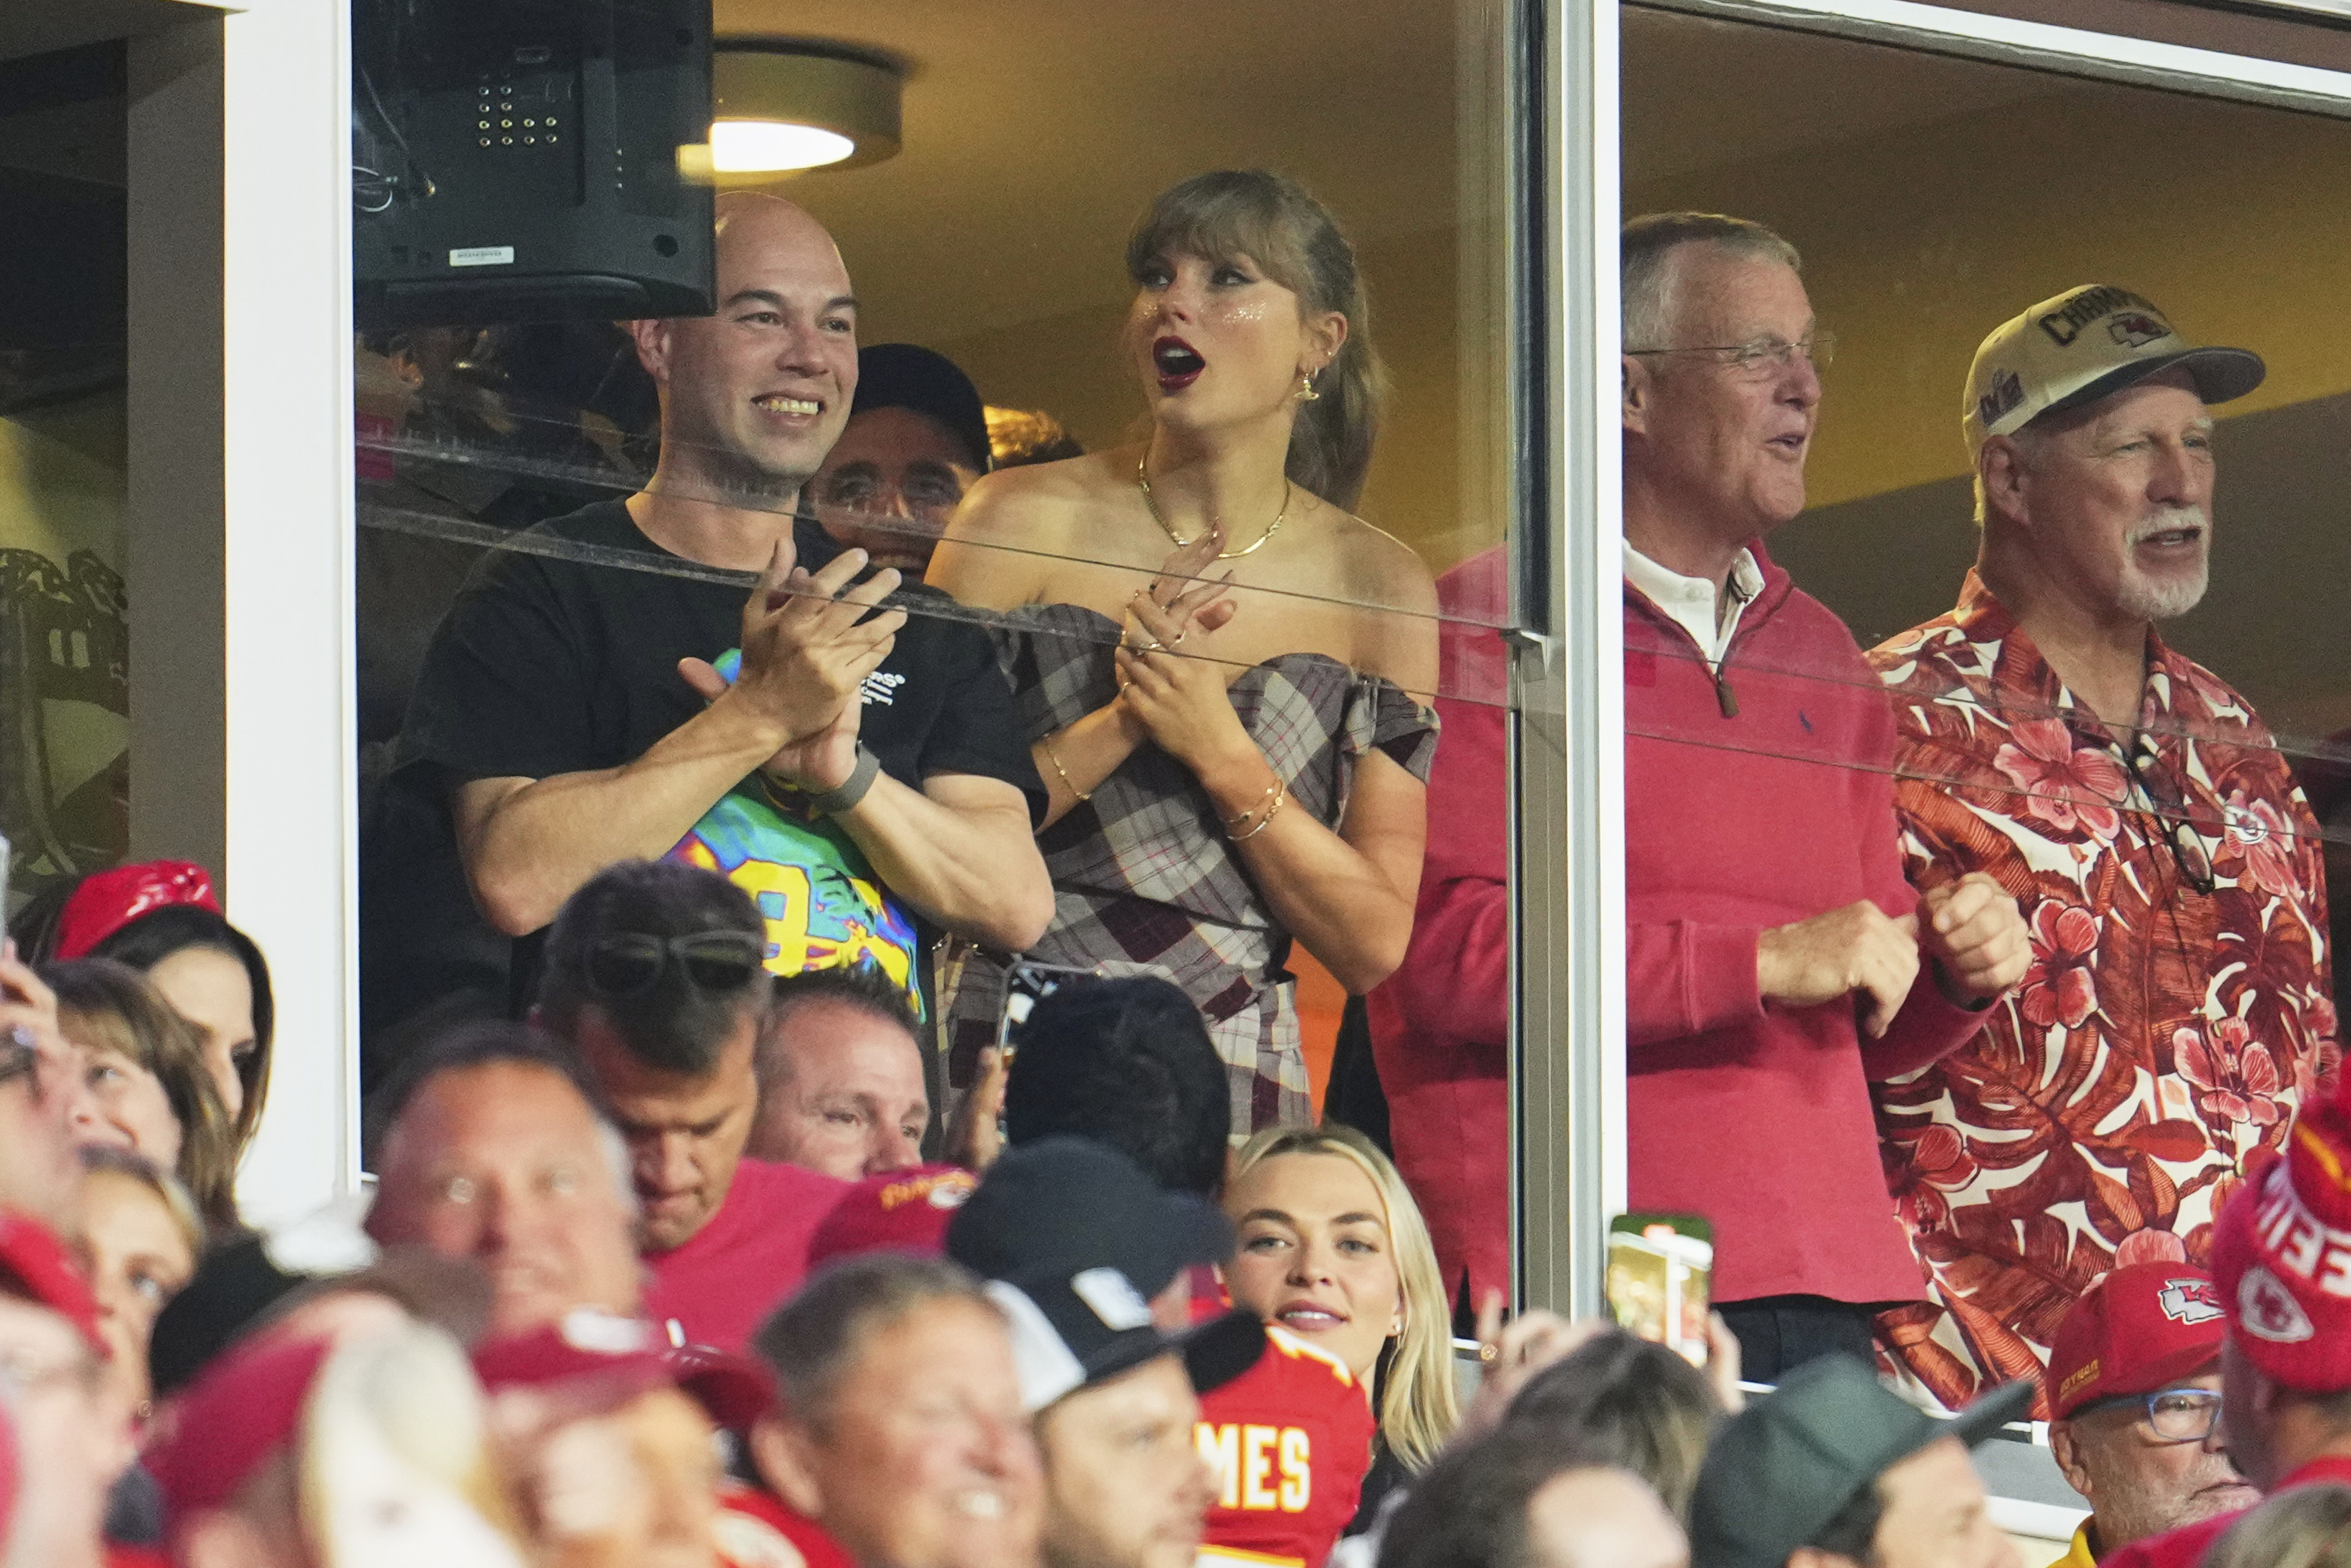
(780, 106)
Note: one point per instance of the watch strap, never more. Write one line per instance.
(833, 802)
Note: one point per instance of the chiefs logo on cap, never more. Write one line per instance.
(2135, 328)
(2267, 1309)
(2189, 1301)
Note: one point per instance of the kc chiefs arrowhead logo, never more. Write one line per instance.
(2190, 1301)
(2267, 1309)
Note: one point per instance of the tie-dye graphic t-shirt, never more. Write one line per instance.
(547, 666)
(824, 906)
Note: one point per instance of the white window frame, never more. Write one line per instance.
(239, 525)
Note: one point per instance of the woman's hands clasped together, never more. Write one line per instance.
(1175, 697)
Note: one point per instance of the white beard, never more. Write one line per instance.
(2150, 600)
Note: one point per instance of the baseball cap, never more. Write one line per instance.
(45, 1273)
(2136, 1330)
(897, 1211)
(906, 375)
(2081, 345)
(2278, 1254)
(609, 1359)
(1073, 1241)
(1777, 1472)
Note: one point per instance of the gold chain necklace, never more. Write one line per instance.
(1142, 483)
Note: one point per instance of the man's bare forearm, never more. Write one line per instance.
(969, 862)
(533, 843)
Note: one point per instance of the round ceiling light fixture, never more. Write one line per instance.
(780, 106)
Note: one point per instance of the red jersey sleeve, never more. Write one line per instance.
(1289, 1440)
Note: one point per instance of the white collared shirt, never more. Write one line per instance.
(1690, 600)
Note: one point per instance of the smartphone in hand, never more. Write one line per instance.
(1660, 1269)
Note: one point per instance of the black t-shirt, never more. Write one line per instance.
(547, 666)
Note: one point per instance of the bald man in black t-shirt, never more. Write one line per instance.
(859, 772)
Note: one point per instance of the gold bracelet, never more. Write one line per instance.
(1281, 794)
(1081, 794)
(1237, 818)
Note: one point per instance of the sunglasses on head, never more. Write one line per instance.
(629, 963)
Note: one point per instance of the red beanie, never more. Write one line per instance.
(2281, 1253)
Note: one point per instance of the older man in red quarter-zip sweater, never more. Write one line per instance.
(1777, 960)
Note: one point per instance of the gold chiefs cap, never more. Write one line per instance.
(2081, 345)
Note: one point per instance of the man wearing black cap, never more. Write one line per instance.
(1834, 1469)
(1075, 1241)
(2178, 1004)
(915, 441)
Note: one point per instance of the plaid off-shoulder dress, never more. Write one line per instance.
(1145, 880)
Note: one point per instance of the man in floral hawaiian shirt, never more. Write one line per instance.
(2178, 1006)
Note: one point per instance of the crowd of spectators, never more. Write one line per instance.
(1978, 994)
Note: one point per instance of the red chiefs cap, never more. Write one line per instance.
(611, 1360)
(243, 1408)
(37, 1264)
(2282, 1256)
(107, 901)
(897, 1211)
(2135, 1331)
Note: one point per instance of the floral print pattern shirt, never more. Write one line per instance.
(2178, 1004)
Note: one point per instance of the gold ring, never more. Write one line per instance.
(1488, 1352)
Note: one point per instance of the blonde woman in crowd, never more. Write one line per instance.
(1331, 1248)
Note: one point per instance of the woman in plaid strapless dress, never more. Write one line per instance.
(1228, 734)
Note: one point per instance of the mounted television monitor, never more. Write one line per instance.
(516, 160)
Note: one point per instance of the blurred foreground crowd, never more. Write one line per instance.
(584, 1318)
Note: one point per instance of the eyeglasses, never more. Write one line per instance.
(2169, 804)
(1765, 356)
(629, 963)
(2178, 1415)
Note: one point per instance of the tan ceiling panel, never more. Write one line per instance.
(1036, 128)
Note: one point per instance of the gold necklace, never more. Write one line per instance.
(1142, 483)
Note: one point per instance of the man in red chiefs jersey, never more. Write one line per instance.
(2282, 1257)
